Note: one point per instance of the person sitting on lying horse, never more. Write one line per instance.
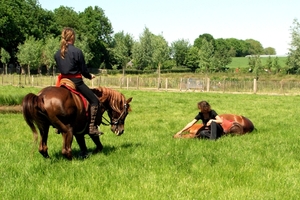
(211, 128)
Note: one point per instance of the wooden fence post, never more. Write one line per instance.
(166, 84)
(207, 84)
(254, 86)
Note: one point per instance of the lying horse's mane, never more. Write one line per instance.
(116, 99)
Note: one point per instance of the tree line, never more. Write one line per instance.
(30, 35)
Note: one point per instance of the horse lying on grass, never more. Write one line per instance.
(232, 124)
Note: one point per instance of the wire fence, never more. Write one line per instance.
(166, 84)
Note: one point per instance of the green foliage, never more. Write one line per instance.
(179, 51)
(255, 47)
(11, 95)
(48, 50)
(206, 56)
(259, 165)
(96, 27)
(121, 49)
(293, 61)
(4, 56)
(30, 53)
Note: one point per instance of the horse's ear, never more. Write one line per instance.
(129, 100)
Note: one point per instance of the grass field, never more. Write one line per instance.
(242, 62)
(147, 163)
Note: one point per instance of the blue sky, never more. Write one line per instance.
(268, 22)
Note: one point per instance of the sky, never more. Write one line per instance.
(266, 21)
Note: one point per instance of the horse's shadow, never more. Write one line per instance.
(107, 150)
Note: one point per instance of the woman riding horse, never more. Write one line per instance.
(71, 64)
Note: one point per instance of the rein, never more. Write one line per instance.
(117, 121)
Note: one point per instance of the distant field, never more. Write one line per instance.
(242, 62)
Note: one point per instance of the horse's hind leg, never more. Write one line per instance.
(67, 143)
(43, 149)
(97, 142)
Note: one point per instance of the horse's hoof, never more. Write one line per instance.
(83, 155)
(96, 151)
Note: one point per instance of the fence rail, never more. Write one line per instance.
(167, 84)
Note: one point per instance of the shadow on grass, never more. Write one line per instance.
(107, 150)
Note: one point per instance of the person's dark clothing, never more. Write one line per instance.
(214, 131)
(73, 64)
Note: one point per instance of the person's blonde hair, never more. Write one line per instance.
(204, 106)
(67, 34)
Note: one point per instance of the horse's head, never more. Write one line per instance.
(116, 105)
(118, 116)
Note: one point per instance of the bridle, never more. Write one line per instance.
(116, 122)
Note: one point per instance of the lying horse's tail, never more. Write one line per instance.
(31, 105)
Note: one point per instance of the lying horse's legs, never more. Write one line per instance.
(97, 142)
(43, 149)
(67, 143)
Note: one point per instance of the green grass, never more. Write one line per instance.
(11, 95)
(147, 163)
(242, 62)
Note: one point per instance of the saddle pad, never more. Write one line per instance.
(226, 125)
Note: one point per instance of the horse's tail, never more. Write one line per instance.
(31, 105)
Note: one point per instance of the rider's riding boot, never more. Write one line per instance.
(93, 130)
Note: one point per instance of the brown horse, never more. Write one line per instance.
(232, 124)
(67, 112)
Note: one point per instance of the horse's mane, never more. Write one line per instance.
(115, 99)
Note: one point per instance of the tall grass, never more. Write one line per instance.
(147, 163)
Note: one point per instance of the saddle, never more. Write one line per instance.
(231, 127)
(77, 96)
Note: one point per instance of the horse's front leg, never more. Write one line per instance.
(67, 143)
(82, 145)
(43, 149)
(96, 140)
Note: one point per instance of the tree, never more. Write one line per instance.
(255, 65)
(255, 47)
(96, 27)
(48, 50)
(293, 60)
(29, 54)
(269, 51)
(222, 54)
(192, 58)
(208, 37)
(161, 51)
(240, 47)
(179, 50)
(143, 50)
(4, 58)
(206, 56)
(21, 19)
(276, 65)
(121, 50)
(66, 17)
(269, 64)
